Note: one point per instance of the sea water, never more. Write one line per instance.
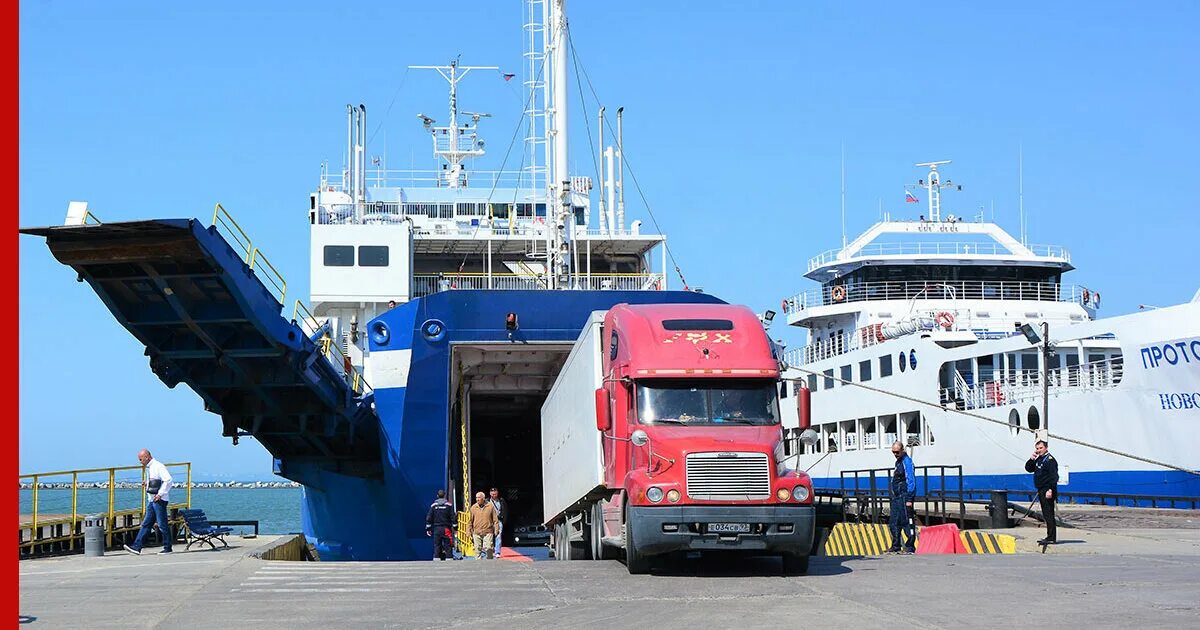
(277, 510)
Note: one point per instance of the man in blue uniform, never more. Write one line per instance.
(903, 487)
(1045, 479)
(438, 523)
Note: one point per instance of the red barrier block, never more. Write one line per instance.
(940, 539)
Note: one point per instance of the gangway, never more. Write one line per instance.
(210, 316)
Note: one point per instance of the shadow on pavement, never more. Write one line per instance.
(717, 564)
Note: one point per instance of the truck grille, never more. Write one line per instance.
(728, 476)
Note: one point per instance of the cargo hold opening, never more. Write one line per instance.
(499, 404)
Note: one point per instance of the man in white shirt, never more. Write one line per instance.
(158, 485)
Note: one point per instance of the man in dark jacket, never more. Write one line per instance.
(903, 487)
(439, 523)
(501, 513)
(1045, 479)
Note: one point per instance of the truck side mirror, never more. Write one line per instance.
(804, 407)
(603, 412)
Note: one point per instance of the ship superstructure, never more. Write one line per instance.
(383, 237)
(916, 319)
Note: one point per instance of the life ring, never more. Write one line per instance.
(839, 293)
(1087, 296)
(945, 320)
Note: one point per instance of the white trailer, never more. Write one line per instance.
(572, 452)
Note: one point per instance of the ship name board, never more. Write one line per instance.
(1180, 400)
(1171, 353)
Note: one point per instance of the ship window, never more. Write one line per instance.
(828, 379)
(339, 255)
(846, 375)
(885, 365)
(864, 370)
(1014, 421)
(903, 361)
(372, 256)
(1035, 419)
(812, 382)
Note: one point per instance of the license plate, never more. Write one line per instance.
(729, 528)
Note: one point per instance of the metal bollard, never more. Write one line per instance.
(998, 510)
(93, 535)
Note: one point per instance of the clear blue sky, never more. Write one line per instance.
(736, 115)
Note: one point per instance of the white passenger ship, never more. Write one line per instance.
(931, 310)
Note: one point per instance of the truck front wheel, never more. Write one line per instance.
(794, 564)
(635, 562)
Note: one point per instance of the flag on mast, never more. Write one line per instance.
(909, 197)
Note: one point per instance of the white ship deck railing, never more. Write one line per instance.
(453, 222)
(418, 178)
(425, 284)
(934, 290)
(931, 248)
(1025, 386)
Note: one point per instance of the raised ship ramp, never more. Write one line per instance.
(210, 316)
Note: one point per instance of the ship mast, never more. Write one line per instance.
(558, 181)
(454, 142)
(933, 188)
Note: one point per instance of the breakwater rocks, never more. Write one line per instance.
(61, 485)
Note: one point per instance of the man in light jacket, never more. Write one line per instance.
(158, 486)
(483, 525)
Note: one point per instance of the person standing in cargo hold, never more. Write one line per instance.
(501, 512)
(483, 525)
(438, 523)
(1045, 479)
(158, 485)
(903, 487)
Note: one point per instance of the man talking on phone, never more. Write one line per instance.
(1045, 479)
(903, 487)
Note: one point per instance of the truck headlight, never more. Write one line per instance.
(800, 492)
(783, 494)
(655, 494)
(673, 496)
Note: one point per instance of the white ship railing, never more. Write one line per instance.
(420, 178)
(1025, 386)
(940, 291)
(931, 248)
(425, 284)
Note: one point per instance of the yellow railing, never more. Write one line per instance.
(251, 254)
(466, 544)
(87, 214)
(36, 479)
(332, 351)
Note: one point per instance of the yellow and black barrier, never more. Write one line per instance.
(868, 539)
(986, 542)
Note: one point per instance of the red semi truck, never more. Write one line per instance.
(662, 433)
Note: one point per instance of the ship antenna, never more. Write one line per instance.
(843, 195)
(1021, 191)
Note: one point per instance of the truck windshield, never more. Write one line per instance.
(707, 402)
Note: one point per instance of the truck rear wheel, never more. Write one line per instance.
(596, 531)
(794, 564)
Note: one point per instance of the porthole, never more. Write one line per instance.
(903, 361)
(1035, 419)
(1014, 421)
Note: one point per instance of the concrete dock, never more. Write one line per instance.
(1147, 577)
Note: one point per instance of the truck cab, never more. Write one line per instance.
(692, 447)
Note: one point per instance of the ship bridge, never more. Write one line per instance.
(947, 260)
(210, 312)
